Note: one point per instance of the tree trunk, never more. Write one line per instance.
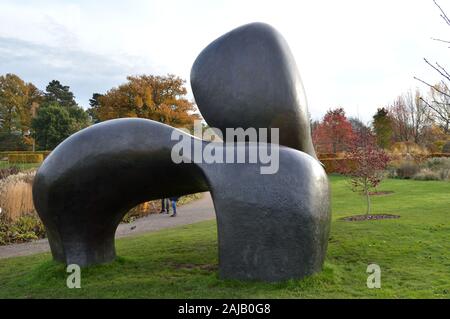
(368, 202)
(366, 191)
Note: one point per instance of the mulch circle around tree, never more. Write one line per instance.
(381, 193)
(357, 218)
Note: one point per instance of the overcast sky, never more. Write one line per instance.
(351, 53)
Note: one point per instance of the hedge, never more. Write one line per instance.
(332, 165)
(327, 155)
(439, 155)
(25, 158)
(7, 153)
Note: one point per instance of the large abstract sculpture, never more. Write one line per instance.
(270, 226)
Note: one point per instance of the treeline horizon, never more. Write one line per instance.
(31, 118)
(411, 119)
(41, 119)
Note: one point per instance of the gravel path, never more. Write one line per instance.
(196, 211)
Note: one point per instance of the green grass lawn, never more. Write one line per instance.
(412, 251)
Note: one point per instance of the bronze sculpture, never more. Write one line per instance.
(270, 227)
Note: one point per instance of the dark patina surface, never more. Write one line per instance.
(270, 227)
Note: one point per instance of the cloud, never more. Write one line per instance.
(85, 72)
(351, 53)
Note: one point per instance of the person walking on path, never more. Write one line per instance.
(174, 206)
(164, 205)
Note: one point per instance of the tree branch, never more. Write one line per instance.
(433, 87)
(434, 109)
(440, 40)
(443, 15)
(439, 71)
(443, 69)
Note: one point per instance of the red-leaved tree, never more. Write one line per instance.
(334, 134)
(364, 164)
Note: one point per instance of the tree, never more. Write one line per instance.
(29, 109)
(400, 120)
(439, 104)
(59, 96)
(54, 123)
(13, 100)
(334, 133)
(357, 125)
(360, 131)
(79, 117)
(94, 104)
(58, 117)
(365, 165)
(18, 104)
(410, 117)
(55, 92)
(160, 98)
(419, 114)
(382, 125)
(12, 141)
(440, 95)
(446, 147)
(51, 126)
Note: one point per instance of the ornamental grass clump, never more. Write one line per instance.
(16, 198)
(18, 219)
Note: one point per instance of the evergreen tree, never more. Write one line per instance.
(382, 125)
(60, 94)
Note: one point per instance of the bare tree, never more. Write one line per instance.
(399, 114)
(418, 113)
(439, 98)
(411, 116)
(439, 104)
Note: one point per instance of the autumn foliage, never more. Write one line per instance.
(159, 98)
(18, 103)
(334, 133)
